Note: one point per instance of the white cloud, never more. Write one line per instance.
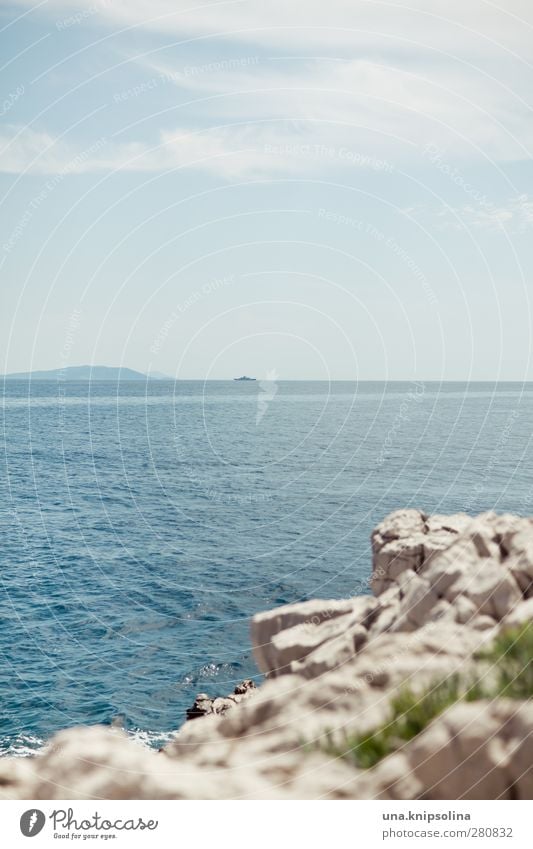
(276, 115)
(514, 215)
(254, 151)
(394, 112)
(18, 148)
(450, 25)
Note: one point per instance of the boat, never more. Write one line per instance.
(244, 377)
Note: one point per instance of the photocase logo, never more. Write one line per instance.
(268, 388)
(32, 822)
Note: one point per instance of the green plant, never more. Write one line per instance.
(508, 668)
(510, 659)
(411, 713)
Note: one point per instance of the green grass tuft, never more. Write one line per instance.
(508, 667)
(510, 658)
(411, 713)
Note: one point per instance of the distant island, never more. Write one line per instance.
(87, 373)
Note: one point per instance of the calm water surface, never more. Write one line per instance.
(142, 524)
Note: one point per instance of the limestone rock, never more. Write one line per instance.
(288, 634)
(265, 626)
(477, 750)
(399, 525)
(397, 545)
(418, 601)
(204, 705)
(395, 557)
(456, 524)
(465, 609)
(521, 614)
(491, 588)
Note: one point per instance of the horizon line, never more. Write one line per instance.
(14, 376)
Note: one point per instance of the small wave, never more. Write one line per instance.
(29, 745)
(209, 672)
(151, 739)
(22, 746)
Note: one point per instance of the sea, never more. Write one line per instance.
(142, 524)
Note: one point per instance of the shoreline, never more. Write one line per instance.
(448, 593)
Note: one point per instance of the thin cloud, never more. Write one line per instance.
(272, 115)
(450, 25)
(513, 216)
(254, 151)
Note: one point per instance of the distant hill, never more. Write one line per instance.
(85, 373)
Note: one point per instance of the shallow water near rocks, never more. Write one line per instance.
(142, 524)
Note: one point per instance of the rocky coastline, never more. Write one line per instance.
(420, 689)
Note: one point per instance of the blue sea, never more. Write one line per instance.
(143, 523)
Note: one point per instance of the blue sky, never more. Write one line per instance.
(338, 190)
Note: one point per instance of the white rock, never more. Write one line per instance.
(521, 614)
(491, 587)
(465, 609)
(265, 626)
(453, 758)
(418, 601)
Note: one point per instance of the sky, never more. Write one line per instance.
(338, 190)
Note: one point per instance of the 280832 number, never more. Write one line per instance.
(495, 831)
